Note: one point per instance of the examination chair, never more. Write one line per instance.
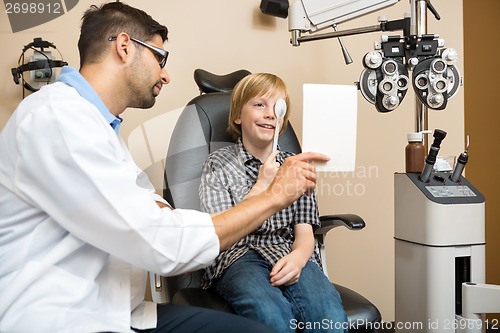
(201, 129)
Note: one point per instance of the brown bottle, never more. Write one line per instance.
(415, 153)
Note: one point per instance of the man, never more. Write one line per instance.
(79, 223)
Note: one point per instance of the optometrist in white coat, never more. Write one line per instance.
(80, 224)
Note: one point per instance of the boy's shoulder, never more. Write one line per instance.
(224, 154)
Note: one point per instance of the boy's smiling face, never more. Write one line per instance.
(258, 121)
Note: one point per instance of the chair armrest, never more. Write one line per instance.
(350, 221)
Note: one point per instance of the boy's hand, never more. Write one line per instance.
(267, 171)
(286, 271)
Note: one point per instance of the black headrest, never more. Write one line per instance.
(208, 82)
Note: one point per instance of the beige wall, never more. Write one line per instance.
(482, 119)
(221, 36)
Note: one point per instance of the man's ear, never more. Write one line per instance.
(122, 46)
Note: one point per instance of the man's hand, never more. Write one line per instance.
(296, 177)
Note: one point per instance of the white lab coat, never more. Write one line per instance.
(79, 227)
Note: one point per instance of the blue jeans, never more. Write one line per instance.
(310, 305)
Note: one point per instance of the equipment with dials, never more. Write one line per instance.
(385, 79)
(439, 245)
(439, 232)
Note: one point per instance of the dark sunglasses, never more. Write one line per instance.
(160, 54)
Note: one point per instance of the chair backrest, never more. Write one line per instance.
(200, 130)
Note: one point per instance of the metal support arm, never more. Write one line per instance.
(477, 299)
(383, 26)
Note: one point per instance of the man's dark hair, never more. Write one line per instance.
(109, 20)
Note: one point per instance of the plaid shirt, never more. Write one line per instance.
(228, 175)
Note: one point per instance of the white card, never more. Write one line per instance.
(330, 124)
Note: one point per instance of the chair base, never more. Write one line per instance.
(363, 316)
